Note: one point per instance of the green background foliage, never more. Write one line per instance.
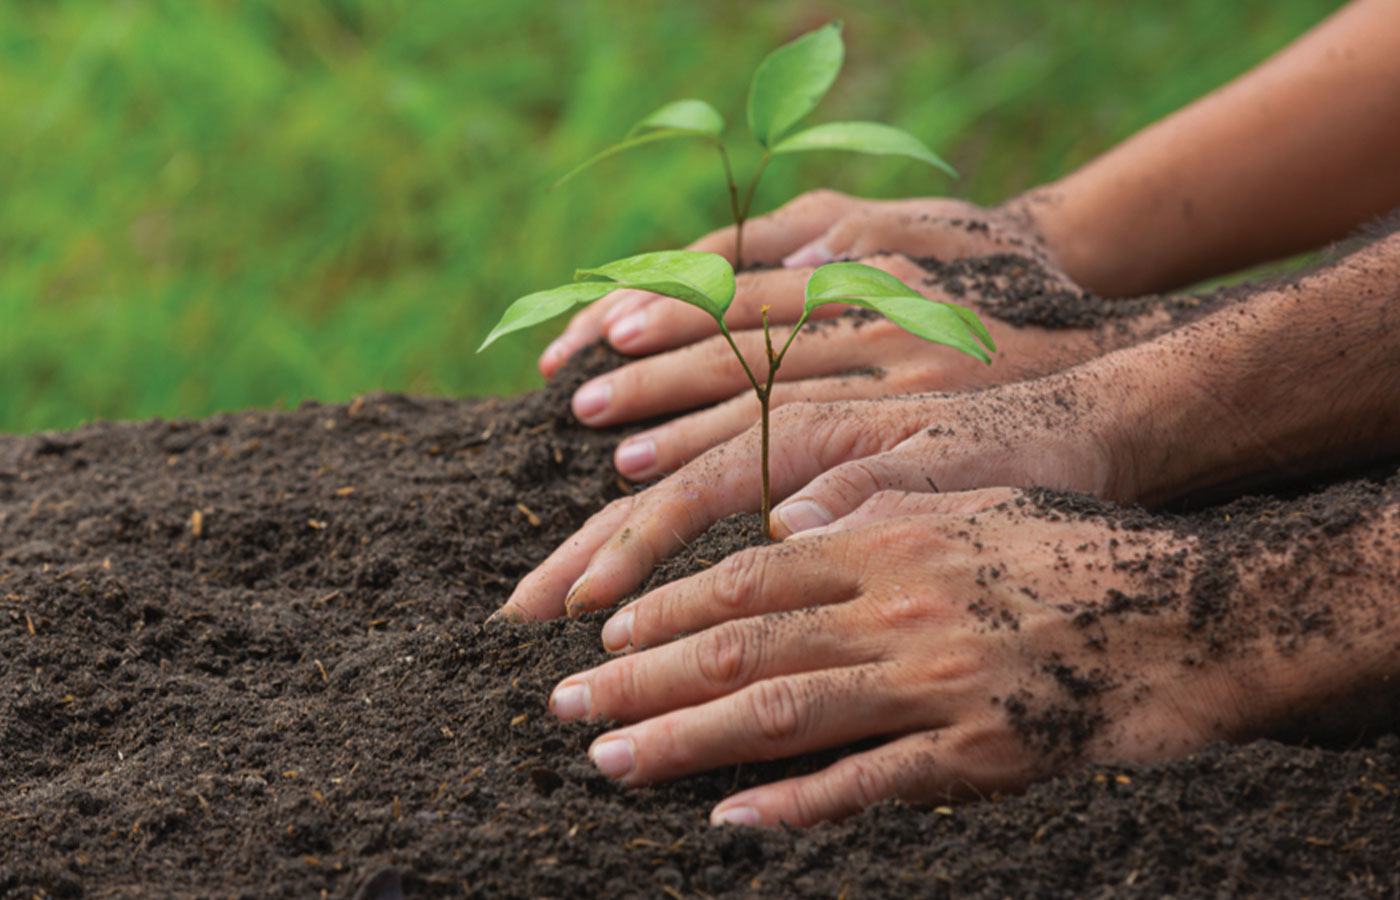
(212, 205)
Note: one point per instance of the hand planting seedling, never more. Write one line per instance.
(787, 85)
(706, 280)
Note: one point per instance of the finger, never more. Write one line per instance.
(768, 238)
(836, 242)
(664, 449)
(895, 504)
(715, 663)
(540, 595)
(583, 329)
(706, 372)
(922, 767)
(751, 582)
(839, 491)
(724, 481)
(770, 719)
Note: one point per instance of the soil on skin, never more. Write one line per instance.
(243, 657)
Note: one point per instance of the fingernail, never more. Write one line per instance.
(617, 633)
(626, 330)
(591, 399)
(810, 255)
(735, 815)
(613, 757)
(802, 515)
(570, 701)
(636, 456)
(571, 603)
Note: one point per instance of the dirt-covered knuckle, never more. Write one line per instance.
(855, 481)
(778, 714)
(725, 656)
(887, 504)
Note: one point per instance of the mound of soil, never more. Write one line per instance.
(244, 657)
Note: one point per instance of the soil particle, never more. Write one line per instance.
(298, 695)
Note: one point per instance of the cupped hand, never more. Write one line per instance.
(986, 646)
(829, 458)
(811, 230)
(859, 358)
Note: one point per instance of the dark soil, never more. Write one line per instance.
(244, 657)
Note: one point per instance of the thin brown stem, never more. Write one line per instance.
(733, 206)
(741, 213)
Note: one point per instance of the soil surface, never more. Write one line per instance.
(243, 657)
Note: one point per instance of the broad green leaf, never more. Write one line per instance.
(862, 137)
(792, 80)
(683, 115)
(542, 306)
(705, 280)
(660, 134)
(860, 285)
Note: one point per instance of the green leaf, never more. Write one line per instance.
(792, 80)
(705, 280)
(542, 306)
(862, 137)
(682, 115)
(866, 286)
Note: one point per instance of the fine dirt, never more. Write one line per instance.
(243, 657)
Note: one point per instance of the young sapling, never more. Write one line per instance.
(706, 280)
(787, 85)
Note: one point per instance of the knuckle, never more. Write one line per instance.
(776, 712)
(735, 579)
(867, 783)
(724, 655)
(618, 686)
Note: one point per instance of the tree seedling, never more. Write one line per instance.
(787, 85)
(706, 280)
(785, 88)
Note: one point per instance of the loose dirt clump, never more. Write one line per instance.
(244, 657)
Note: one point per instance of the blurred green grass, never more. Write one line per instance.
(213, 205)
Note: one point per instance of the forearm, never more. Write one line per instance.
(1280, 383)
(1293, 154)
(1320, 621)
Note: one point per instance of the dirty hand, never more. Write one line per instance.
(809, 231)
(1053, 431)
(979, 644)
(846, 359)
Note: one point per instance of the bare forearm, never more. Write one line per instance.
(1280, 383)
(1293, 154)
(1324, 618)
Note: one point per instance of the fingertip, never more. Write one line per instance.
(798, 516)
(735, 815)
(554, 356)
(814, 254)
(635, 457)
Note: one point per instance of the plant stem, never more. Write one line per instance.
(775, 360)
(733, 205)
(764, 396)
(741, 213)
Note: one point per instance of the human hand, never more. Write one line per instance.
(984, 645)
(1054, 431)
(808, 231)
(847, 359)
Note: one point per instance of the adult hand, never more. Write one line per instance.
(1052, 431)
(979, 644)
(846, 359)
(810, 230)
